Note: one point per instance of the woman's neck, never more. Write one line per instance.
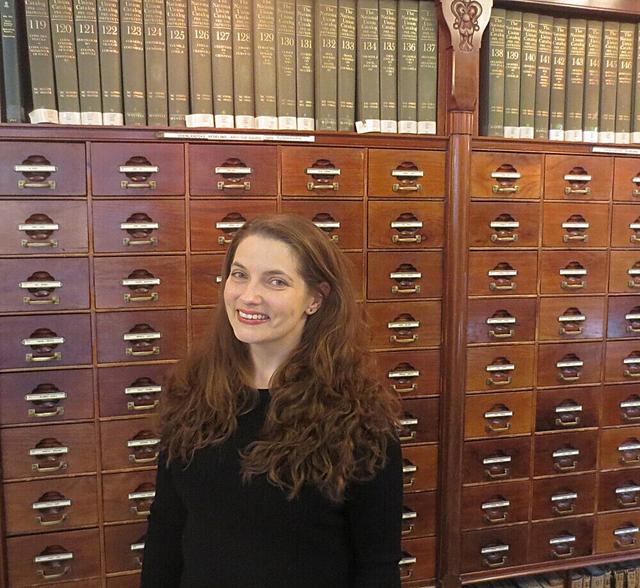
(265, 363)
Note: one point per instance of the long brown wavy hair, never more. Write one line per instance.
(328, 422)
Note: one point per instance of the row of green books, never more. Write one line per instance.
(558, 79)
(548, 580)
(334, 65)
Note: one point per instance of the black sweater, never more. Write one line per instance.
(208, 529)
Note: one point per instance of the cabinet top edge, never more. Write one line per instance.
(625, 9)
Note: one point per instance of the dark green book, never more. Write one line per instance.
(200, 83)
(558, 79)
(305, 96)
(64, 61)
(346, 65)
(132, 47)
(368, 62)
(609, 82)
(326, 65)
(286, 63)
(14, 70)
(576, 51)
(492, 76)
(408, 66)
(635, 123)
(110, 58)
(222, 63)
(529, 56)
(512, 71)
(43, 89)
(626, 53)
(243, 104)
(155, 60)
(427, 67)
(543, 77)
(264, 64)
(592, 81)
(86, 20)
(388, 33)
(177, 61)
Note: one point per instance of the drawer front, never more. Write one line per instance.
(124, 547)
(619, 490)
(137, 169)
(76, 556)
(132, 443)
(569, 365)
(496, 460)
(409, 373)
(573, 272)
(419, 514)
(495, 504)
(506, 175)
(626, 220)
(206, 278)
(499, 367)
(420, 467)
(578, 177)
(214, 223)
(34, 228)
(418, 561)
(404, 325)
(626, 185)
(342, 222)
(501, 320)
(355, 265)
(141, 336)
(405, 225)
(562, 319)
(504, 224)
(406, 174)
(623, 317)
(622, 362)
(625, 272)
(51, 505)
(419, 420)
(502, 273)
(620, 405)
(565, 453)
(43, 285)
(130, 226)
(408, 274)
(618, 532)
(45, 341)
(202, 320)
(42, 169)
(48, 451)
(130, 390)
(493, 415)
(232, 170)
(134, 282)
(494, 549)
(568, 224)
(567, 408)
(620, 448)
(560, 540)
(565, 496)
(128, 496)
(46, 396)
(126, 581)
(322, 172)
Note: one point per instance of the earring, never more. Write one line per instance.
(310, 311)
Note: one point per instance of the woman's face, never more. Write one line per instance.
(266, 299)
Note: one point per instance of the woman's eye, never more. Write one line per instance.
(237, 274)
(278, 283)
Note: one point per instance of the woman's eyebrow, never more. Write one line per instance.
(272, 272)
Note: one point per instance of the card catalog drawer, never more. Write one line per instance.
(565, 496)
(619, 490)
(495, 460)
(124, 547)
(128, 496)
(419, 467)
(506, 175)
(620, 448)
(620, 405)
(625, 272)
(206, 278)
(132, 443)
(567, 408)
(626, 184)
(405, 225)
(618, 532)
(409, 274)
(125, 581)
(495, 504)
(565, 453)
(622, 362)
(623, 317)
(563, 319)
(560, 540)
(501, 320)
(409, 373)
(500, 273)
(419, 420)
(504, 224)
(570, 364)
(406, 174)
(573, 272)
(626, 220)
(499, 367)
(578, 177)
(202, 320)
(404, 325)
(418, 559)
(494, 549)
(493, 415)
(419, 514)
(568, 224)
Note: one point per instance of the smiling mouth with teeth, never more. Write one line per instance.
(252, 316)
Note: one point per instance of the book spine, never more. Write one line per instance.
(64, 60)
(368, 60)
(427, 67)
(407, 66)
(608, 82)
(155, 52)
(86, 20)
(13, 68)
(177, 61)
(512, 68)
(592, 81)
(543, 77)
(558, 75)
(326, 65)
(492, 76)
(264, 64)
(133, 82)
(243, 104)
(529, 56)
(576, 50)
(43, 91)
(388, 33)
(305, 95)
(346, 65)
(626, 51)
(222, 63)
(635, 136)
(200, 65)
(286, 64)
(110, 69)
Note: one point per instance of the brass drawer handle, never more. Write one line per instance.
(133, 458)
(405, 389)
(234, 186)
(36, 301)
(492, 463)
(627, 496)
(560, 546)
(26, 243)
(501, 335)
(573, 285)
(399, 239)
(497, 189)
(403, 340)
(494, 556)
(406, 560)
(150, 185)
(128, 242)
(405, 290)
(58, 411)
(569, 190)
(311, 186)
(55, 576)
(139, 407)
(142, 353)
(51, 184)
(567, 238)
(403, 188)
(153, 297)
(504, 238)
(625, 537)
(496, 286)
(49, 523)
(61, 465)
(30, 357)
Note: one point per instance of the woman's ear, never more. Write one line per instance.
(321, 293)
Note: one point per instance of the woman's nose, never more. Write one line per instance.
(251, 293)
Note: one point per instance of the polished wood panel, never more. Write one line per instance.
(502, 273)
(573, 272)
(626, 220)
(619, 490)
(622, 363)
(566, 320)
(419, 514)
(419, 420)
(568, 408)
(623, 317)
(506, 175)
(405, 173)
(504, 224)
(131, 580)
(128, 496)
(131, 443)
(565, 453)
(618, 532)
(625, 189)
(497, 459)
(565, 496)
(499, 367)
(561, 364)
(206, 278)
(625, 272)
(494, 415)
(572, 224)
(124, 547)
(406, 274)
(202, 320)
(420, 467)
(501, 320)
(494, 549)
(577, 177)
(405, 225)
(495, 504)
(561, 540)
(620, 448)
(409, 373)
(424, 552)
(620, 405)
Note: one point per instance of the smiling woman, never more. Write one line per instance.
(280, 466)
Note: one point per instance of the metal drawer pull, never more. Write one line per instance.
(126, 184)
(37, 169)
(495, 556)
(399, 239)
(565, 502)
(634, 363)
(128, 242)
(495, 504)
(143, 390)
(139, 226)
(46, 452)
(568, 409)
(406, 560)
(495, 460)
(46, 397)
(624, 537)
(38, 285)
(576, 230)
(138, 169)
(408, 515)
(630, 452)
(498, 414)
(152, 297)
(505, 176)
(403, 340)
(134, 443)
(561, 464)
(48, 505)
(627, 496)
(53, 558)
(407, 173)
(504, 230)
(561, 547)
(408, 468)
(404, 374)
(406, 188)
(234, 186)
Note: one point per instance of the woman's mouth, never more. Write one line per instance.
(251, 317)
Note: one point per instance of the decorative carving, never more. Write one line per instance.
(466, 14)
